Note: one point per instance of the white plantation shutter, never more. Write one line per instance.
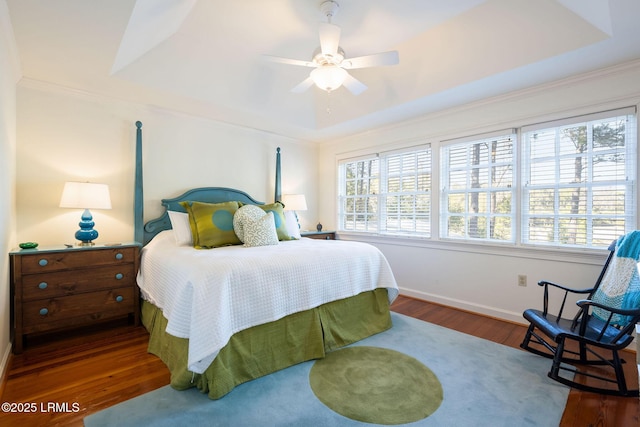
(578, 179)
(359, 192)
(407, 196)
(477, 198)
(568, 182)
(387, 194)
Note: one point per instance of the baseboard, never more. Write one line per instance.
(466, 306)
(4, 365)
(496, 313)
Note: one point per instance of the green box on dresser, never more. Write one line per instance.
(60, 287)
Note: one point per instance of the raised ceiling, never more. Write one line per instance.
(206, 57)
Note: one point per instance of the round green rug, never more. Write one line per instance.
(376, 385)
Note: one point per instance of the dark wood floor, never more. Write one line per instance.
(66, 379)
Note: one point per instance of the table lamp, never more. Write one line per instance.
(86, 195)
(294, 202)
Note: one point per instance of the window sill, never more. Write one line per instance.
(584, 256)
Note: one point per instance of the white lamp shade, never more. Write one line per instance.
(294, 202)
(85, 195)
(328, 77)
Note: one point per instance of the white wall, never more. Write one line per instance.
(9, 74)
(69, 136)
(483, 278)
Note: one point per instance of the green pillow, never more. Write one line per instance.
(278, 217)
(212, 224)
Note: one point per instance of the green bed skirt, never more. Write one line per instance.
(267, 348)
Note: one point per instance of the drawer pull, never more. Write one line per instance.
(43, 285)
(119, 298)
(43, 262)
(44, 311)
(119, 276)
(119, 256)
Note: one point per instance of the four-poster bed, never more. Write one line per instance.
(221, 317)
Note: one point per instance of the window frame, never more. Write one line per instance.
(438, 147)
(589, 184)
(468, 190)
(381, 199)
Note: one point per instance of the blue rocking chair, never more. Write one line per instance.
(603, 325)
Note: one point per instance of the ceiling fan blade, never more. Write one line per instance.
(329, 38)
(354, 85)
(375, 60)
(288, 61)
(303, 85)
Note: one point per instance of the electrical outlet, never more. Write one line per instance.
(522, 280)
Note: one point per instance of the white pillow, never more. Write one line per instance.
(261, 232)
(292, 224)
(181, 228)
(247, 213)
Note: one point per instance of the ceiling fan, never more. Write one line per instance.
(329, 62)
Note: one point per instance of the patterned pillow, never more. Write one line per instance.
(261, 232)
(212, 224)
(244, 215)
(278, 217)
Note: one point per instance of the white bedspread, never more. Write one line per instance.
(208, 295)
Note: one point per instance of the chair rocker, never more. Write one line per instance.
(585, 339)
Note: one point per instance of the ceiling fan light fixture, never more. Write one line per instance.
(328, 77)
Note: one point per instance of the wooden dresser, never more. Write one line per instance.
(58, 287)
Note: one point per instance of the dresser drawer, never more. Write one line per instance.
(72, 259)
(57, 287)
(59, 312)
(61, 283)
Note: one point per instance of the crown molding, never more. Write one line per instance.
(582, 78)
(63, 90)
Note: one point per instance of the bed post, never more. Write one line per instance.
(138, 204)
(278, 195)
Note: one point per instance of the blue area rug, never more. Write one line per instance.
(484, 384)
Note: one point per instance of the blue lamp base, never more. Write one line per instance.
(86, 233)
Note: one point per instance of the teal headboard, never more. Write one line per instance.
(144, 233)
(205, 194)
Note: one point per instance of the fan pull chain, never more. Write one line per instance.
(328, 102)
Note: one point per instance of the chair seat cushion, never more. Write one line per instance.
(560, 328)
(551, 325)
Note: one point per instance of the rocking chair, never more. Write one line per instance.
(603, 324)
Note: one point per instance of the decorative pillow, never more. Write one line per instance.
(261, 232)
(212, 224)
(278, 217)
(293, 227)
(244, 215)
(181, 228)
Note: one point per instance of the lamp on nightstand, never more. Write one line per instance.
(294, 202)
(86, 195)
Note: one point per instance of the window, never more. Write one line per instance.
(359, 191)
(477, 189)
(579, 180)
(569, 183)
(387, 194)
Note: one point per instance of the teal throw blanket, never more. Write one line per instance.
(620, 287)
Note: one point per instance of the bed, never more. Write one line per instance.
(223, 316)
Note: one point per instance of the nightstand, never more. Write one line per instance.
(58, 287)
(321, 235)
